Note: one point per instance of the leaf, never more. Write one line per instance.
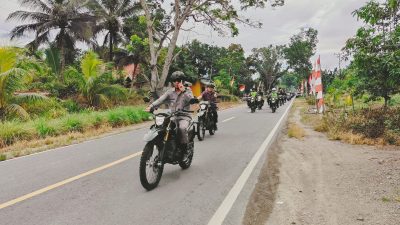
(17, 110)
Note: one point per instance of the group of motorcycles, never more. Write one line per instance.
(274, 103)
(162, 142)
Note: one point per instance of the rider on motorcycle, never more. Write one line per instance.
(274, 94)
(253, 93)
(177, 98)
(210, 95)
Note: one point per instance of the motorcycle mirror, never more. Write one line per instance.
(146, 99)
(194, 101)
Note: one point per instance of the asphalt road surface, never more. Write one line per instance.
(97, 182)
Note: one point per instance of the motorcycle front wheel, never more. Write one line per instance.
(151, 167)
(201, 131)
(187, 157)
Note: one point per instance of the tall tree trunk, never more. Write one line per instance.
(134, 77)
(111, 48)
(168, 59)
(387, 98)
(62, 58)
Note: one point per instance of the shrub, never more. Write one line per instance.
(44, 130)
(10, 132)
(71, 106)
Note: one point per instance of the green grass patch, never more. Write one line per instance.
(13, 131)
(3, 157)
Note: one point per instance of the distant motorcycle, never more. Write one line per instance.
(260, 102)
(162, 147)
(274, 104)
(253, 104)
(205, 120)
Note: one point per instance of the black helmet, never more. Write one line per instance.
(178, 75)
(211, 85)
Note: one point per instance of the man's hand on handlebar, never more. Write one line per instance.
(149, 108)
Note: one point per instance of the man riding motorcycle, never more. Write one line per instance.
(210, 95)
(177, 98)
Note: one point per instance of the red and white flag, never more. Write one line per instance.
(318, 86)
(242, 87)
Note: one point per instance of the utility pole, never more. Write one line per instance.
(339, 56)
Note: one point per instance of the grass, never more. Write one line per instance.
(23, 138)
(295, 131)
(385, 199)
(368, 126)
(17, 131)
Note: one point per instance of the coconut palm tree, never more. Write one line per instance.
(94, 86)
(110, 15)
(12, 79)
(68, 20)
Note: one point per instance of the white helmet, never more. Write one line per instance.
(273, 89)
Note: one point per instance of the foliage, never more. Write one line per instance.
(13, 131)
(300, 50)
(68, 19)
(14, 78)
(219, 15)
(94, 82)
(375, 50)
(268, 62)
(110, 15)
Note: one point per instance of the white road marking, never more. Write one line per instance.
(64, 182)
(228, 119)
(223, 210)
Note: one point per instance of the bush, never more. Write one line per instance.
(44, 130)
(73, 124)
(377, 123)
(71, 106)
(10, 132)
(50, 108)
(13, 131)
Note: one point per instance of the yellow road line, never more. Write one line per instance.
(69, 180)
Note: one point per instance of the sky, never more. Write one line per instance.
(332, 19)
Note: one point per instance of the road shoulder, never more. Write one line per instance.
(313, 180)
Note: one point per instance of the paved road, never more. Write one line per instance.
(114, 195)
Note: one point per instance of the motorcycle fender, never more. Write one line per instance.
(153, 133)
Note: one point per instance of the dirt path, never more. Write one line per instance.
(317, 181)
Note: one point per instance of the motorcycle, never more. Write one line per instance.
(205, 120)
(260, 102)
(274, 104)
(253, 104)
(162, 147)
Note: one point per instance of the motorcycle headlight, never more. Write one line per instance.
(252, 100)
(160, 120)
(259, 98)
(203, 106)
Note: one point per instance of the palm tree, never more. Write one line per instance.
(110, 15)
(13, 78)
(68, 19)
(94, 86)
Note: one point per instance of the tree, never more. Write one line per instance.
(94, 82)
(375, 49)
(110, 14)
(300, 50)
(68, 18)
(268, 63)
(14, 74)
(218, 14)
